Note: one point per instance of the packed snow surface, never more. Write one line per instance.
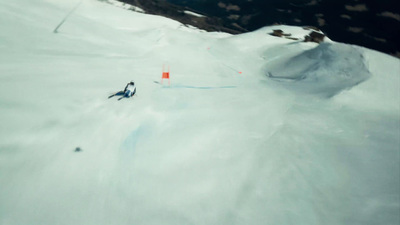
(253, 129)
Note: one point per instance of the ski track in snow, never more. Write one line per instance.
(253, 129)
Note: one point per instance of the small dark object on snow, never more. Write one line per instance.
(292, 38)
(314, 37)
(77, 149)
(277, 33)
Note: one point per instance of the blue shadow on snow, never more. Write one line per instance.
(197, 87)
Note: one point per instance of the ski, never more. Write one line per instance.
(118, 93)
(127, 97)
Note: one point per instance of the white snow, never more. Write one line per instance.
(193, 13)
(124, 5)
(315, 143)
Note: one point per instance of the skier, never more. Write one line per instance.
(129, 90)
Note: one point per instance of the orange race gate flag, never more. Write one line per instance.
(165, 75)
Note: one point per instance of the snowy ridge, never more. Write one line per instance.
(125, 5)
(316, 142)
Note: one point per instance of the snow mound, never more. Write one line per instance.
(325, 70)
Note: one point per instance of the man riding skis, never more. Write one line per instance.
(129, 90)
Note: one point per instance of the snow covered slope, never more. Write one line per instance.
(253, 129)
